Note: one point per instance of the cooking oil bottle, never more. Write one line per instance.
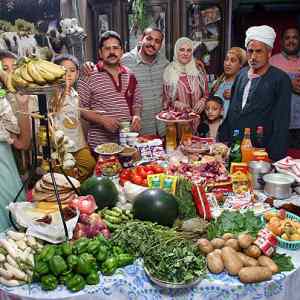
(171, 137)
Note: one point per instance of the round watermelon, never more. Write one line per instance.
(103, 190)
(157, 206)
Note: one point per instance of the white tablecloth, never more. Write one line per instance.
(132, 283)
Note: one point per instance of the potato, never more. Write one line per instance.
(247, 260)
(253, 251)
(232, 262)
(217, 251)
(245, 240)
(233, 243)
(214, 262)
(254, 274)
(217, 243)
(205, 246)
(266, 261)
(227, 236)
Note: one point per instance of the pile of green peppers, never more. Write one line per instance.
(77, 264)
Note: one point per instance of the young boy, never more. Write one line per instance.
(67, 118)
(212, 117)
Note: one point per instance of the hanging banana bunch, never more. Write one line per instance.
(33, 73)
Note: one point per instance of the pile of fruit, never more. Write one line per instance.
(33, 73)
(138, 175)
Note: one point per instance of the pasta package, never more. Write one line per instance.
(240, 176)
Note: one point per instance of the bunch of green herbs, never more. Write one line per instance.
(283, 261)
(234, 222)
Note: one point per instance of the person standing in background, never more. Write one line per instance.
(112, 90)
(261, 96)
(288, 60)
(235, 59)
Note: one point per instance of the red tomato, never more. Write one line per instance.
(148, 168)
(141, 171)
(126, 173)
(137, 179)
(158, 169)
(150, 172)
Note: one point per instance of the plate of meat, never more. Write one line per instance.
(171, 116)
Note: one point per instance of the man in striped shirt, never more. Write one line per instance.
(148, 64)
(108, 89)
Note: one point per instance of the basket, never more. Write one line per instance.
(289, 245)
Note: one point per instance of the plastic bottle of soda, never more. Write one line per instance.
(235, 154)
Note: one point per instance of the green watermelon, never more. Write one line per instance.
(157, 206)
(103, 190)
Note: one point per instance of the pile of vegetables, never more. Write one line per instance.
(234, 222)
(166, 255)
(115, 216)
(78, 264)
(241, 256)
(16, 258)
(186, 206)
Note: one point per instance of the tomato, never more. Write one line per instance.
(150, 172)
(148, 168)
(141, 171)
(125, 173)
(137, 179)
(158, 169)
(145, 182)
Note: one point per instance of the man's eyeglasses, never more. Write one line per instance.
(111, 48)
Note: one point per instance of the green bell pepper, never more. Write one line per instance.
(58, 250)
(57, 265)
(102, 253)
(67, 248)
(76, 283)
(72, 261)
(48, 282)
(41, 268)
(124, 259)
(63, 278)
(93, 246)
(81, 246)
(47, 253)
(86, 263)
(109, 266)
(102, 240)
(93, 278)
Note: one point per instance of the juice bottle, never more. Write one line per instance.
(171, 137)
(246, 147)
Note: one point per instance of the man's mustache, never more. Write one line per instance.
(149, 46)
(112, 56)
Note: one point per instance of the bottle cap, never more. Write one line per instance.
(2, 93)
(247, 130)
(259, 129)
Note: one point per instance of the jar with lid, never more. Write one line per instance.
(124, 129)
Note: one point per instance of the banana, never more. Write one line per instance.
(35, 74)
(48, 76)
(17, 79)
(56, 70)
(24, 73)
(9, 84)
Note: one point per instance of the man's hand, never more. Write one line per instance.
(199, 106)
(296, 85)
(87, 68)
(136, 123)
(110, 124)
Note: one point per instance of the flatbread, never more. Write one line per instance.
(61, 180)
(49, 187)
(50, 196)
(64, 197)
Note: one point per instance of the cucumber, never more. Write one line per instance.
(113, 219)
(128, 213)
(118, 210)
(125, 217)
(111, 227)
(112, 213)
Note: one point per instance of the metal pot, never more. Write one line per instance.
(258, 169)
(278, 185)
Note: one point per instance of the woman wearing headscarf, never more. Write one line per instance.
(235, 59)
(184, 85)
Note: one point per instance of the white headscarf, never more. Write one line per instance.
(264, 33)
(175, 68)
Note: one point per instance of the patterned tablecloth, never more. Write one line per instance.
(132, 283)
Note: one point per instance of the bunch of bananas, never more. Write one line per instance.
(33, 73)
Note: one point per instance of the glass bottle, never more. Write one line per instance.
(259, 143)
(246, 146)
(235, 154)
(171, 137)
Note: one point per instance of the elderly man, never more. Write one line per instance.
(289, 61)
(110, 94)
(261, 96)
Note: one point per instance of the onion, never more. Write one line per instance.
(106, 233)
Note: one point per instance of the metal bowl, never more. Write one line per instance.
(172, 285)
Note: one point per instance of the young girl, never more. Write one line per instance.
(213, 117)
(67, 119)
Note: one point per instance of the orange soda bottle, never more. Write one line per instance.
(246, 147)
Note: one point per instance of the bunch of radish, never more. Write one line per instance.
(17, 258)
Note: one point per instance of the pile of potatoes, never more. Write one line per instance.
(239, 256)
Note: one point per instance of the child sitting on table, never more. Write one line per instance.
(212, 117)
(67, 118)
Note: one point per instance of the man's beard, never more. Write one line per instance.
(291, 52)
